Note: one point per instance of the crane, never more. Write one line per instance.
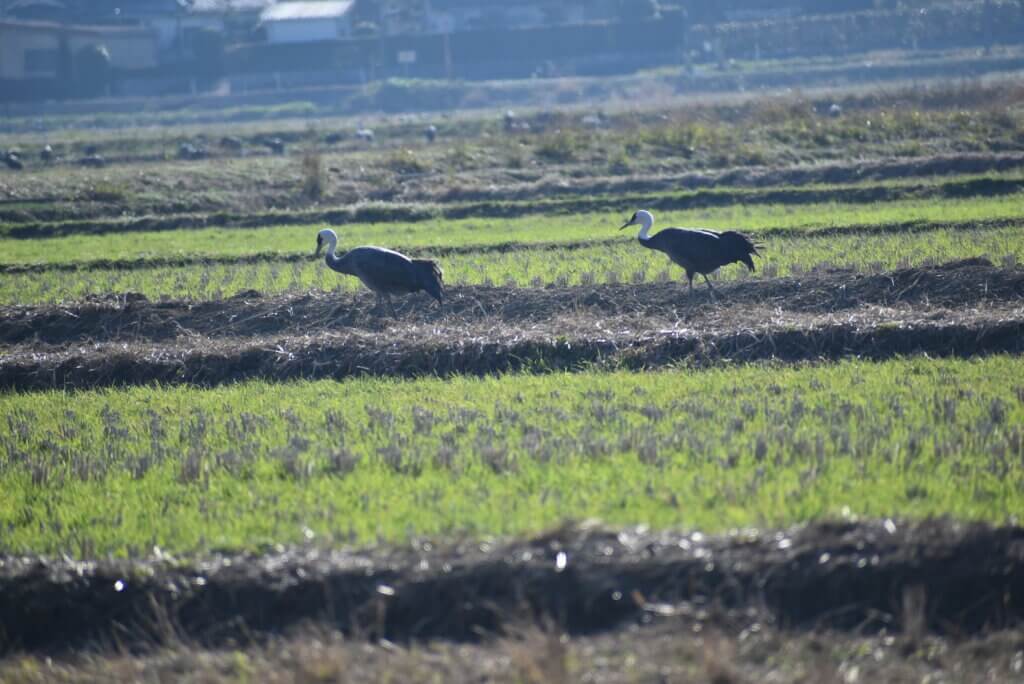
(384, 271)
(697, 250)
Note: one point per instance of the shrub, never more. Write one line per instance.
(314, 180)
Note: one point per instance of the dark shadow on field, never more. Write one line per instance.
(936, 576)
(133, 318)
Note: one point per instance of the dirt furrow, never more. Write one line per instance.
(132, 318)
(569, 343)
(864, 577)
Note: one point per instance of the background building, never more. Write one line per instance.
(306, 22)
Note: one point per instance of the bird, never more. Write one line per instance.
(384, 271)
(697, 250)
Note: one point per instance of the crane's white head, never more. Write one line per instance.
(325, 236)
(642, 218)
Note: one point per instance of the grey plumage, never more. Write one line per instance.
(384, 271)
(697, 250)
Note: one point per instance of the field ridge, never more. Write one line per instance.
(843, 575)
(132, 317)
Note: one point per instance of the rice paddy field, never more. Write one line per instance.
(220, 460)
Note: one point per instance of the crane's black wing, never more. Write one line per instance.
(389, 272)
(694, 250)
(702, 250)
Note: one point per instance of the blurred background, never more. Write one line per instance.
(67, 49)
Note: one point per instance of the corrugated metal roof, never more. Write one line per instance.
(287, 11)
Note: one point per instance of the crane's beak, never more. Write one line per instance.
(319, 245)
(627, 224)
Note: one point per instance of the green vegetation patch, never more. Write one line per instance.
(485, 232)
(620, 261)
(381, 460)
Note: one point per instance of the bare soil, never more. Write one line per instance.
(961, 309)
(935, 577)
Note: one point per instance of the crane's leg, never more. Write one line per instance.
(391, 305)
(714, 295)
(689, 279)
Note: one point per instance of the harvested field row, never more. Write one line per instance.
(831, 173)
(866, 577)
(435, 251)
(491, 346)
(390, 212)
(969, 283)
(500, 185)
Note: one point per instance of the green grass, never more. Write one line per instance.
(120, 471)
(623, 261)
(482, 232)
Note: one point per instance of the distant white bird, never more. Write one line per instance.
(384, 271)
(696, 250)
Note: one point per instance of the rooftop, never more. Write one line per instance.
(228, 5)
(325, 9)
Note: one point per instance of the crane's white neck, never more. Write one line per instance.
(332, 244)
(646, 221)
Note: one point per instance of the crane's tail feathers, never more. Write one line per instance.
(431, 278)
(739, 247)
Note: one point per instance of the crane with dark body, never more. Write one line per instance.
(384, 271)
(697, 250)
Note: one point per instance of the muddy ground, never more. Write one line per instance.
(965, 308)
(935, 577)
